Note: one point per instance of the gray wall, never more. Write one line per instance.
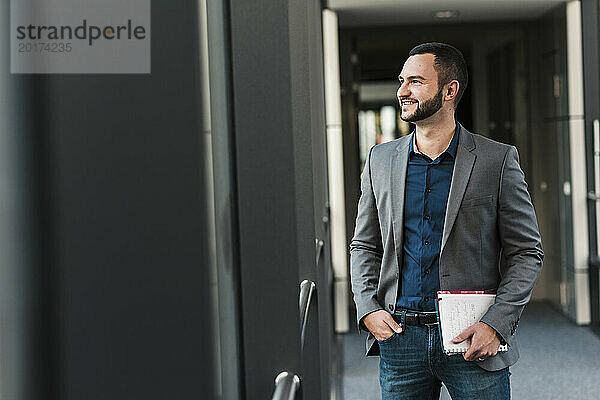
(124, 224)
(278, 122)
(550, 149)
(591, 64)
(23, 351)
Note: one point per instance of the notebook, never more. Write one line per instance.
(459, 310)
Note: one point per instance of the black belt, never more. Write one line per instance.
(412, 318)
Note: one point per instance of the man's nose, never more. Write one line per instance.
(403, 91)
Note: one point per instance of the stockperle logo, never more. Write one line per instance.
(80, 36)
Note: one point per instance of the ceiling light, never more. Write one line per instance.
(445, 14)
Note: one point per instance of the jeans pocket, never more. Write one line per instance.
(388, 339)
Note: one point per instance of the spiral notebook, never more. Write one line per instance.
(459, 310)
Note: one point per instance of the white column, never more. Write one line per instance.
(210, 190)
(387, 115)
(578, 166)
(335, 165)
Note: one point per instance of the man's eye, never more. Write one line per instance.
(416, 81)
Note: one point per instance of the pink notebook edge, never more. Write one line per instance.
(465, 292)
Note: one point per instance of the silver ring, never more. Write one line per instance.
(481, 359)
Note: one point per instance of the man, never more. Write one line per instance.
(441, 209)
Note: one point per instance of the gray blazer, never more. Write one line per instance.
(490, 239)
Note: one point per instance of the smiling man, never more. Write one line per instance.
(438, 209)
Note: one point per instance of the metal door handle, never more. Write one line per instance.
(595, 195)
(319, 244)
(286, 386)
(306, 293)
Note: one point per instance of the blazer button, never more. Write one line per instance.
(391, 307)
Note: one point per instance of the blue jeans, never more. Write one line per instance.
(413, 366)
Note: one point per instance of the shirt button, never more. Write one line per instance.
(428, 190)
(427, 272)
(427, 243)
(427, 217)
(426, 299)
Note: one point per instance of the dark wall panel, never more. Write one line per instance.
(268, 220)
(126, 225)
(278, 113)
(590, 10)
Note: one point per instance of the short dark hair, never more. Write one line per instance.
(449, 64)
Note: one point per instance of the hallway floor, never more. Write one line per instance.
(559, 360)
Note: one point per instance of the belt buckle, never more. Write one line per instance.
(412, 315)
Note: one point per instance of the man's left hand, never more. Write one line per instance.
(485, 341)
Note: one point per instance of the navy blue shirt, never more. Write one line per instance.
(427, 188)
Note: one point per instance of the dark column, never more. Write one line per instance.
(330, 378)
(23, 354)
(352, 163)
(275, 82)
(591, 64)
(125, 224)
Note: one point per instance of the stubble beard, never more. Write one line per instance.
(427, 109)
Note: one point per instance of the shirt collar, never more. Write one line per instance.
(451, 149)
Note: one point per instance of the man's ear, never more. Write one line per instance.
(452, 90)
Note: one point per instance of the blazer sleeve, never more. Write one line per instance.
(522, 253)
(366, 249)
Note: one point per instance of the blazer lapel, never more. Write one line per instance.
(463, 165)
(399, 164)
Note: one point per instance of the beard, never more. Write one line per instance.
(427, 109)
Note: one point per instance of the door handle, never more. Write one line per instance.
(595, 194)
(306, 294)
(319, 244)
(286, 386)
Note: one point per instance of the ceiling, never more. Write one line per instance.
(397, 12)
